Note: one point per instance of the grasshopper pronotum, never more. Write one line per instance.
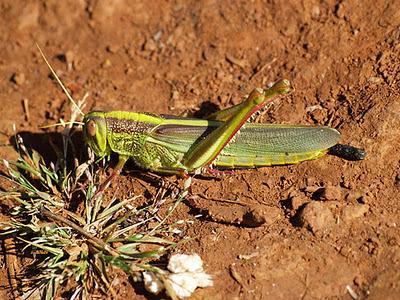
(176, 145)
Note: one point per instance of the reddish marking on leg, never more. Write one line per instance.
(212, 171)
(184, 173)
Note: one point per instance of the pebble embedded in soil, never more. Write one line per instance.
(69, 57)
(397, 180)
(375, 80)
(331, 192)
(356, 196)
(318, 115)
(297, 201)
(29, 16)
(106, 63)
(317, 217)
(175, 95)
(315, 12)
(112, 48)
(150, 45)
(18, 78)
(354, 211)
(340, 11)
(244, 215)
(328, 193)
(259, 215)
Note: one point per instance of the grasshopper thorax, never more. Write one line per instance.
(95, 133)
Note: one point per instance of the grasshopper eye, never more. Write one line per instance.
(91, 128)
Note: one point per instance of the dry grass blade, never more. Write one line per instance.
(78, 245)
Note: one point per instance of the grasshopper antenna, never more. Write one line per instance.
(62, 124)
(59, 82)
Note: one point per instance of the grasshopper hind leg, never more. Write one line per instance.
(205, 151)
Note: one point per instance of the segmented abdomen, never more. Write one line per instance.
(265, 145)
(269, 159)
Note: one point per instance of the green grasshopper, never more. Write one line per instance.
(175, 145)
(226, 139)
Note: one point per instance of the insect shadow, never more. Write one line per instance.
(50, 146)
(206, 108)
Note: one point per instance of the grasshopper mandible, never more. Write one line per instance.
(226, 139)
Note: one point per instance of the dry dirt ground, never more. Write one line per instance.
(330, 227)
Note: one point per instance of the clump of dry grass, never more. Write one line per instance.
(77, 250)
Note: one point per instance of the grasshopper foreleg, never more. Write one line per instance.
(116, 171)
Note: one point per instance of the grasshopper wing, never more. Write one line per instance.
(256, 145)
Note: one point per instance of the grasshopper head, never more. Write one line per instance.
(95, 133)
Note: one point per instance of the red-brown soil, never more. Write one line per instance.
(330, 225)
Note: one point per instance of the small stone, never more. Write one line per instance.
(375, 80)
(128, 71)
(317, 217)
(354, 211)
(340, 11)
(312, 188)
(18, 78)
(185, 263)
(358, 280)
(253, 218)
(265, 215)
(106, 63)
(290, 29)
(315, 12)
(150, 45)
(318, 115)
(195, 91)
(152, 283)
(397, 180)
(69, 57)
(220, 74)
(157, 36)
(29, 16)
(175, 95)
(353, 196)
(331, 193)
(298, 201)
(112, 48)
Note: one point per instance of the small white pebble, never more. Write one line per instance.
(186, 275)
(351, 292)
(6, 163)
(185, 283)
(185, 263)
(151, 283)
(203, 279)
